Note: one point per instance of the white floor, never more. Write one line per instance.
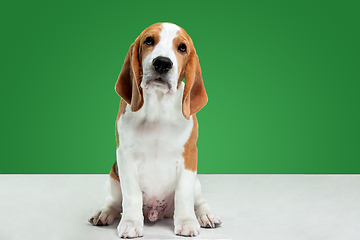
(255, 207)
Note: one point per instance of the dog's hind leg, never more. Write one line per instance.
(206, 218)
(113, 205)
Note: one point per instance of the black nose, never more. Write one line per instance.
(162, 64)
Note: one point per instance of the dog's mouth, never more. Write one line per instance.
(160, 84)
(158, 81)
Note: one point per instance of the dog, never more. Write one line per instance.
(154, 175)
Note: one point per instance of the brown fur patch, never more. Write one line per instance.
(154, 32)
(190, 153)
(114, 170)
(194, 97)
(122, 107)
(182, 57)
(114, 173)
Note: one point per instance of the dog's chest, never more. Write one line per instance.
(156, 137)
(158, 149)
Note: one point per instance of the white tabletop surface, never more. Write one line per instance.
(252, 207)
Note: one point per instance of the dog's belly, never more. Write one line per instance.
(157, 207)
(158, 192)
(157, 179)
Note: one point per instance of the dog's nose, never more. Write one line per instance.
(162, 64)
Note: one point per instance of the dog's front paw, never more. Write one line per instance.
(130, 229)
(209, 220)
(187, 228)
(104, 216)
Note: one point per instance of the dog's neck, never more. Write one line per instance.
(162, 107)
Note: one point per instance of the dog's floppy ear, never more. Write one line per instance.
(128, 83)
(195, 96)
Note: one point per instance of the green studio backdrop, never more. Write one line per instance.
(282, 78)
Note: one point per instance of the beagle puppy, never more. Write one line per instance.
(154, 175)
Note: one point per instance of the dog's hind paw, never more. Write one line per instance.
(104, 216)
(209, 221)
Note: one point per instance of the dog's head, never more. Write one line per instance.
(159, 59)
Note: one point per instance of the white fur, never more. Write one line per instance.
(150, 162)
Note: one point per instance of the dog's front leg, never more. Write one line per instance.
(185, 220)
(132, 221)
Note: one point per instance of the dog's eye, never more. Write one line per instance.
(182, 48)
(149, 41)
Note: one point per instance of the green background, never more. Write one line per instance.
(282, 77)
